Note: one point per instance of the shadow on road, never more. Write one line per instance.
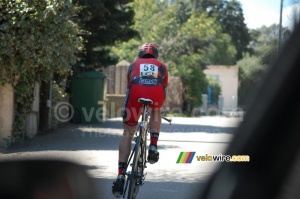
(74, 137)
(174, 128)
(150, 190)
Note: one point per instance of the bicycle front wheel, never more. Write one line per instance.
(134, 178)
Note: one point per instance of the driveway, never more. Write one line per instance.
(96, 148)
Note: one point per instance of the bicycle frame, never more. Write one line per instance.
(136, 177)
(140, 153)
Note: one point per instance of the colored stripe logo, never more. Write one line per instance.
(185, 157)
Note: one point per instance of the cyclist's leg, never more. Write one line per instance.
(158, 97)
(155, 124)
(131, 114)
(130, 117)
(125, 142)
(124, 152)
(155, 120)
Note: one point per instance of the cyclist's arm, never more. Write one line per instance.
(129, 73)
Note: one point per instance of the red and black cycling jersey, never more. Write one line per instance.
(147, 78)
(148, 72)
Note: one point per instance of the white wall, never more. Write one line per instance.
(6, 111)
(228, 78)
(32, 119)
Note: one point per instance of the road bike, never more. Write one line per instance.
(137, 159)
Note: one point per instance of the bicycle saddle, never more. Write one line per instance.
(145, 101)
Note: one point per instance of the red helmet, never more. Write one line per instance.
(148, 48)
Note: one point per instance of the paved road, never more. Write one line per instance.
(96, 148)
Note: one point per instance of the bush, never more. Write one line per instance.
(37, 38)
(251, 71)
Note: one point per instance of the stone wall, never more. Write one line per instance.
(174, 99)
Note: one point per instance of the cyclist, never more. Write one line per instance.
(147, 78)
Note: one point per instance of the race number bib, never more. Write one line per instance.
(148, 70)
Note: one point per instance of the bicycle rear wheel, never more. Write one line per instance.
(143, 153)
(134, 178)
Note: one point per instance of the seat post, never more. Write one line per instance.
(145, 103)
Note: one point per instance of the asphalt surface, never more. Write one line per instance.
(95, 147)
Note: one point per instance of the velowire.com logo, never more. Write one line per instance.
(187, 158)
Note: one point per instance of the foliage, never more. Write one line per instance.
(203, 36)
(58, 94)
(229, 15)
(37, 38)
(264, 42)
(187, 41)
(198, 41)
(155, 21)
(216, 89)
(251, 71)
(207, 45)
(193, 78)
(264, 45)
(105, 22)
(126, 50)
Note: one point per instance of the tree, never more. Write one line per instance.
(229, 15)
(264, 42)
(264, 51)
(197, 46)
(105, 22)
(251, 71)
(216, 90)
(37, 38)
(187, 41)
(157, 22)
